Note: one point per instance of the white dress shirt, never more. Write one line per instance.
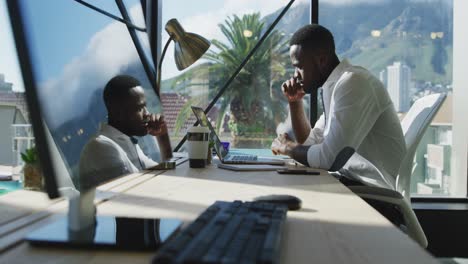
(109, 154)
(358, 113)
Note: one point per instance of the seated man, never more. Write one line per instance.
(359, 132)
(114, 150)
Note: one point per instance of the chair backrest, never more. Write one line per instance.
(414, 124)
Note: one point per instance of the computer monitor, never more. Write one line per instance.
(65, 64)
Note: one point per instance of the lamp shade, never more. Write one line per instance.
(188, 47)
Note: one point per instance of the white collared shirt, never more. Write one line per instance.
(358, 114)
(109, 154)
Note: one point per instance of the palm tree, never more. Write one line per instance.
(254, 109)
(253, 98)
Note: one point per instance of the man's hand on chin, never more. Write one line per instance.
(283, 145)
(156, 125)
(293, 89)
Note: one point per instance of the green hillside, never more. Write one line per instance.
(416, 54)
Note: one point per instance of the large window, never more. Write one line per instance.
(249, 111)
(408, 44)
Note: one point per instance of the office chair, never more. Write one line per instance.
(414, 124)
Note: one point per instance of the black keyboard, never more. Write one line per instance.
(229, 232)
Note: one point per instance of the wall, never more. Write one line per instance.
(7, 118)
(460, 95)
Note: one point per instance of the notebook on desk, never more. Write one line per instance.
(224, 155)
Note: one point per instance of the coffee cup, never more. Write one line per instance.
(197, 145)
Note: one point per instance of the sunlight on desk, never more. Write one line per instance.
(333, 226)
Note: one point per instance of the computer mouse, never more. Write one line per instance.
(293, 202)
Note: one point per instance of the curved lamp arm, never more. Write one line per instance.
(158, 79)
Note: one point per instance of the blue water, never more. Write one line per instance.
(9, 186)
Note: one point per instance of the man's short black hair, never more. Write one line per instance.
(314, 37)
(118, 88)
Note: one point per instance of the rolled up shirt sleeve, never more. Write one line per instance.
(353, 112)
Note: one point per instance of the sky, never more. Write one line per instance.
(8, 60)
(56, 55)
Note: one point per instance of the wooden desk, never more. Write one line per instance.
(334, 225)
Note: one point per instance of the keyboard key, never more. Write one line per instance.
(220, 245)
(235, 247)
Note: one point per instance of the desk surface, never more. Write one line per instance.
(334, 225)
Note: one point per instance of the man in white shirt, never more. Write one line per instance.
(359, 133)
(114, 150)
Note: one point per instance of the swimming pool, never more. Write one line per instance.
(9, 186)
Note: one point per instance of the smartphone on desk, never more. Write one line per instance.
(298, 171)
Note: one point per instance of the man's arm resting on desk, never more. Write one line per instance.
(300, 153)
(284, 145)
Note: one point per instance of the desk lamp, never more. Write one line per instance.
(188, 47)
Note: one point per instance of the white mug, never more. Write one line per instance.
(197, 141)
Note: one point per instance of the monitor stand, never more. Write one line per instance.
(82, 228)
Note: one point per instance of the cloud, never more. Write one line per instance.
(107, 52)
(206, 23)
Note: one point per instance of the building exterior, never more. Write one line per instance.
(172, 104)
(397, 79)
(383, 77)
(15, 132)
(5, 86)
(432, 163)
